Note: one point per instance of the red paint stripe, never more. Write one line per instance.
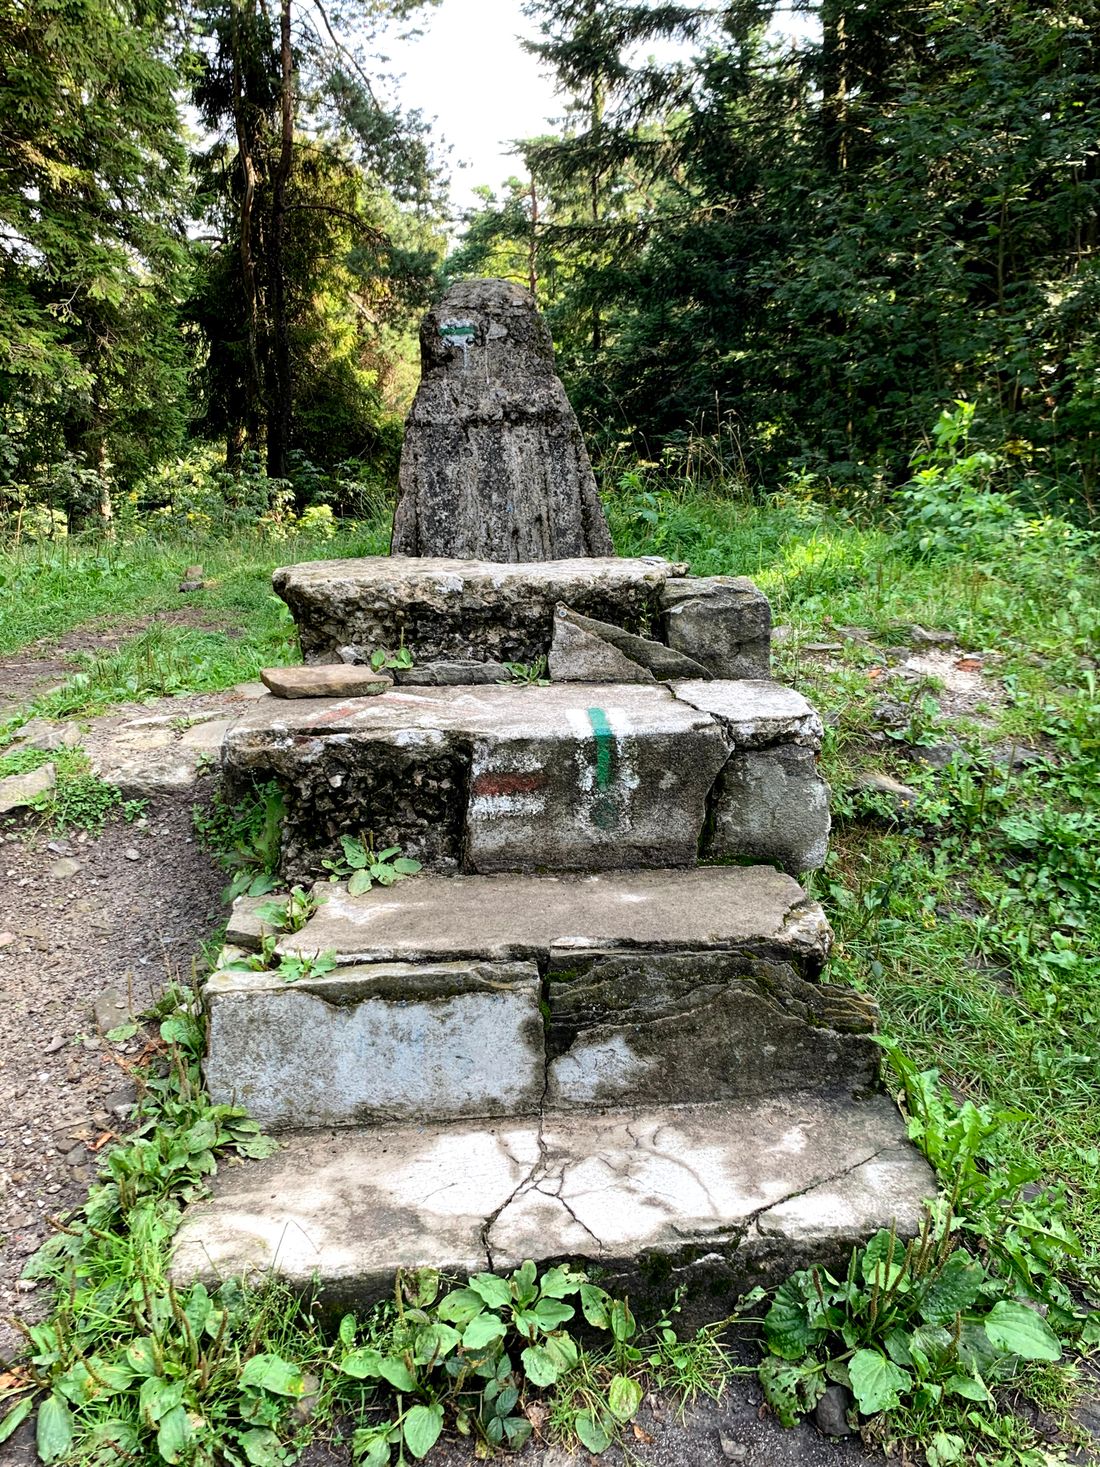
(508, 784)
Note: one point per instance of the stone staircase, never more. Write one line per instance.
(568, 1037)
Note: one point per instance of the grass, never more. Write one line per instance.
(970, 916)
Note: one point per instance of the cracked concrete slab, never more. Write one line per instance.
(721, 1194)
(379, 1042)
(754, 909)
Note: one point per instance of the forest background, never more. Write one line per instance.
(768, 264)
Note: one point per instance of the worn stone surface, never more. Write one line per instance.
(562, 919)
(662, 663)
(713, 1197)
(590, 778)
(18, 791)
(671, 1028)
(755, 712)
(379, 1042)
(332, 680)
(450, 610)
(580, 656)
(493, 464)
(724, 622)
(562, 777)
(771, 805)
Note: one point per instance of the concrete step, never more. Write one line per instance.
(569, 776)
(492, 995)
(472, 611)
(715, 1198)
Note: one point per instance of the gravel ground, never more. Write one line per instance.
(108, 935)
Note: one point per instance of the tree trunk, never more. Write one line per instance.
(247, 165)
(280, 400)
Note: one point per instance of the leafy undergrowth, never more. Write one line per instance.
(78, 800)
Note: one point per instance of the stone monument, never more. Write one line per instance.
(494, 466)
(597, 1024)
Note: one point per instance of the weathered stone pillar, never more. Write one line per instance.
(494, 466)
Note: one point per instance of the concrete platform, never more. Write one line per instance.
(714, 1197)
(555, 921)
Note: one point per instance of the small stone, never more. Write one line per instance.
(40, 733)
(248, 691)
(306, 1404)
(922, 637)
(854, 634)
(132, 853)
(831, 1412)
(6, 938)
(884, 784)
(120, 1103)
(735, 1451)
(56, 1044)
(65, 868)
(822, 646)
(60, 847)
(936, 756)
(334, 680)
(191, 585)
(20, 790)
(111, 1010)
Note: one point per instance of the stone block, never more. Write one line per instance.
(325, 680)
(383, 1042)
(755, 712)
(590, 779)
(770, 805)
(675, 1028)
(627, 657)
(493, 462)
(565, 777)
(712, 1198)
(448, 610)
(557, 921)
(724, 622)
(18, 791)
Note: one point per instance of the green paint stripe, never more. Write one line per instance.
(601, 731)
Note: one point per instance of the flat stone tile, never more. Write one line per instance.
(752, 908)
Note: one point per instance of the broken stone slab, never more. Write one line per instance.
(579, 656)
(560, 920)
(450, 610)
(564, 777)
(724, 622)
(901, 796)
(395, 1041)
(493, 464)
(755, 712)
(715, 1198)
(574, 653)
(770, 805)
(672, 1028)
(19, 791)
(320, 680)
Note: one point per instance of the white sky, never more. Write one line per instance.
(469, 72)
